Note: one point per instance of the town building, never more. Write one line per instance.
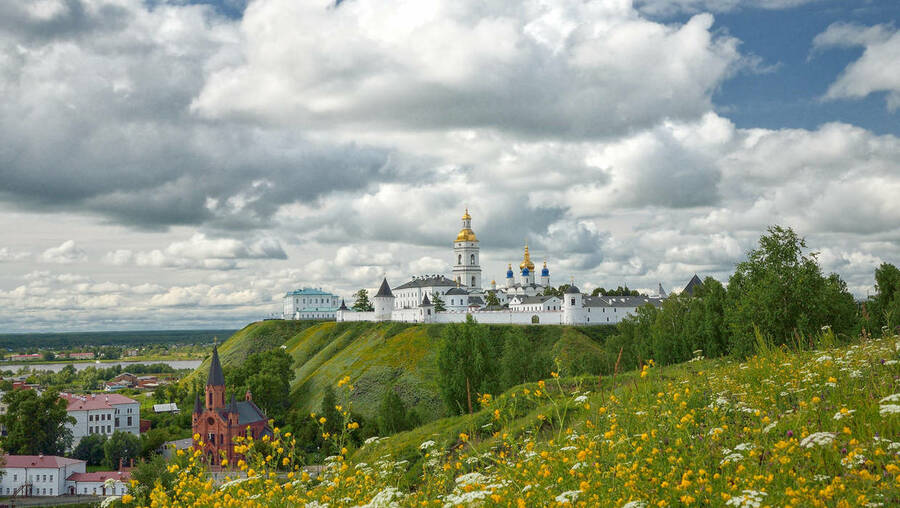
(520, 300)
(104, 413)
(49, 475)
(218, 421)
(309, 303)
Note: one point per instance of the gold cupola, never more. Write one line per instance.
(526, 262)
(466, 234)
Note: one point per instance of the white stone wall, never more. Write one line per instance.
(126, 411)
(40, 478)
(355, 316)
(97, 488)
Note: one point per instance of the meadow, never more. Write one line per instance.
(782, 428)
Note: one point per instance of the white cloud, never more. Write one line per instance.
(567, 68)
(65, 253)
(201, 252)
(670, 7)
(877, 70)
(7, 255)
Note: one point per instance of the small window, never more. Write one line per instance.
(472, 258)
(459, 259)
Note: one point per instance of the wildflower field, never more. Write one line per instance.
(812, 428)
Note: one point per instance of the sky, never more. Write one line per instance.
(174, 164)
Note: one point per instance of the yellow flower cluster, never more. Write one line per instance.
(785, 429)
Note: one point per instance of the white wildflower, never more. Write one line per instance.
(843, 414)
(426, 445)
(889, 409)
(635, 504)
(817, 438)
(749, 498)
(569, 496)
(581, 399)
(371, 440)
(891, 398)
(472, 478)
(769, 427)
(385, 499)
(734, 457)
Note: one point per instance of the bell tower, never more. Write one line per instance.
(215, 383)
(467, 267)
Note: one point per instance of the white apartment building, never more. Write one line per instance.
(37, 475)
(103, 413)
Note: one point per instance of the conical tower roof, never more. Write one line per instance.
(216, 377)
(198, 406)
(384, 290)
(425, 302)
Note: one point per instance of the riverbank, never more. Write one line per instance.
(81, 365)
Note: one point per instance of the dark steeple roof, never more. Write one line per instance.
(198, 406)
(384, 290)
(426, 302)
(572, 290)
(692, 285)
(343, 305)
(216, 377)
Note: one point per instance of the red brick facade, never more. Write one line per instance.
(218, 422)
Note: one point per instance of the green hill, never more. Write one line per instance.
(783, 428)
(376, 355)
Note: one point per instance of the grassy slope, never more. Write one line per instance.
(744, 421)
(376, 355)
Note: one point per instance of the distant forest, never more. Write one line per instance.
(125, 338)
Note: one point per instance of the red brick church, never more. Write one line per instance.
(218, 422)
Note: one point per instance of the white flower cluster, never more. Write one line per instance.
(750, 498)
(888, 409)
(569, 496)
(426, 445)
(817, 438)
(843, 414)
(387, 498)
(635, 504)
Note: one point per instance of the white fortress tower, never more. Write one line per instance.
(384, 302)
(467, 268)
(572, 304)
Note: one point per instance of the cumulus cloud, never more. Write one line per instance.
(877, 70)
(7, 255)
(568, 68)
(201, 251)
(65, 253)
(671, 7)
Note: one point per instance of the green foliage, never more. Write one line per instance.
(491, 300)
(619, 291)
(130, 338)
(121, 446)
(90, 449)
(148, 473)
(883, 309)
(464, 364)
(35, 424)
(362, 303)
(557, 292)
(782, 292)
(521, 361)
(393, 415)
(438, 302)
(268, 376)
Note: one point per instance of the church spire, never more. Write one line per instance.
(216, 377)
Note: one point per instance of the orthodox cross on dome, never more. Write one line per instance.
(526, 261)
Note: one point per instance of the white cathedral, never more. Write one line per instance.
(520, 300)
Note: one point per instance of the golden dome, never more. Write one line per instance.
(526, 263)
(466, 216)
(466, 235)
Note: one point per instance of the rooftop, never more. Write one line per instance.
(47, 461)
(427, 281)
(100, 476)
(308, 292)
(95, 401)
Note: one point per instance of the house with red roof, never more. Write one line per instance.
(102, 413)
(49, 475)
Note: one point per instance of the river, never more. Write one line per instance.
(56, 367)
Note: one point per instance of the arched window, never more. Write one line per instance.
(472, 259)
(473, 281)
(535, 320)
(459, 259)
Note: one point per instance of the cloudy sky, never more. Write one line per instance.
(180, 164)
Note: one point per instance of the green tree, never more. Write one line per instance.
(147, 473)
(268, 376)
(121, 446)
(35, 424)
(491, 300)
(90, 449)
(48, 356)
(464, 365)
(362, 303)
(438, 303)
(781, 292)
(884, 307)
(392, 416)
